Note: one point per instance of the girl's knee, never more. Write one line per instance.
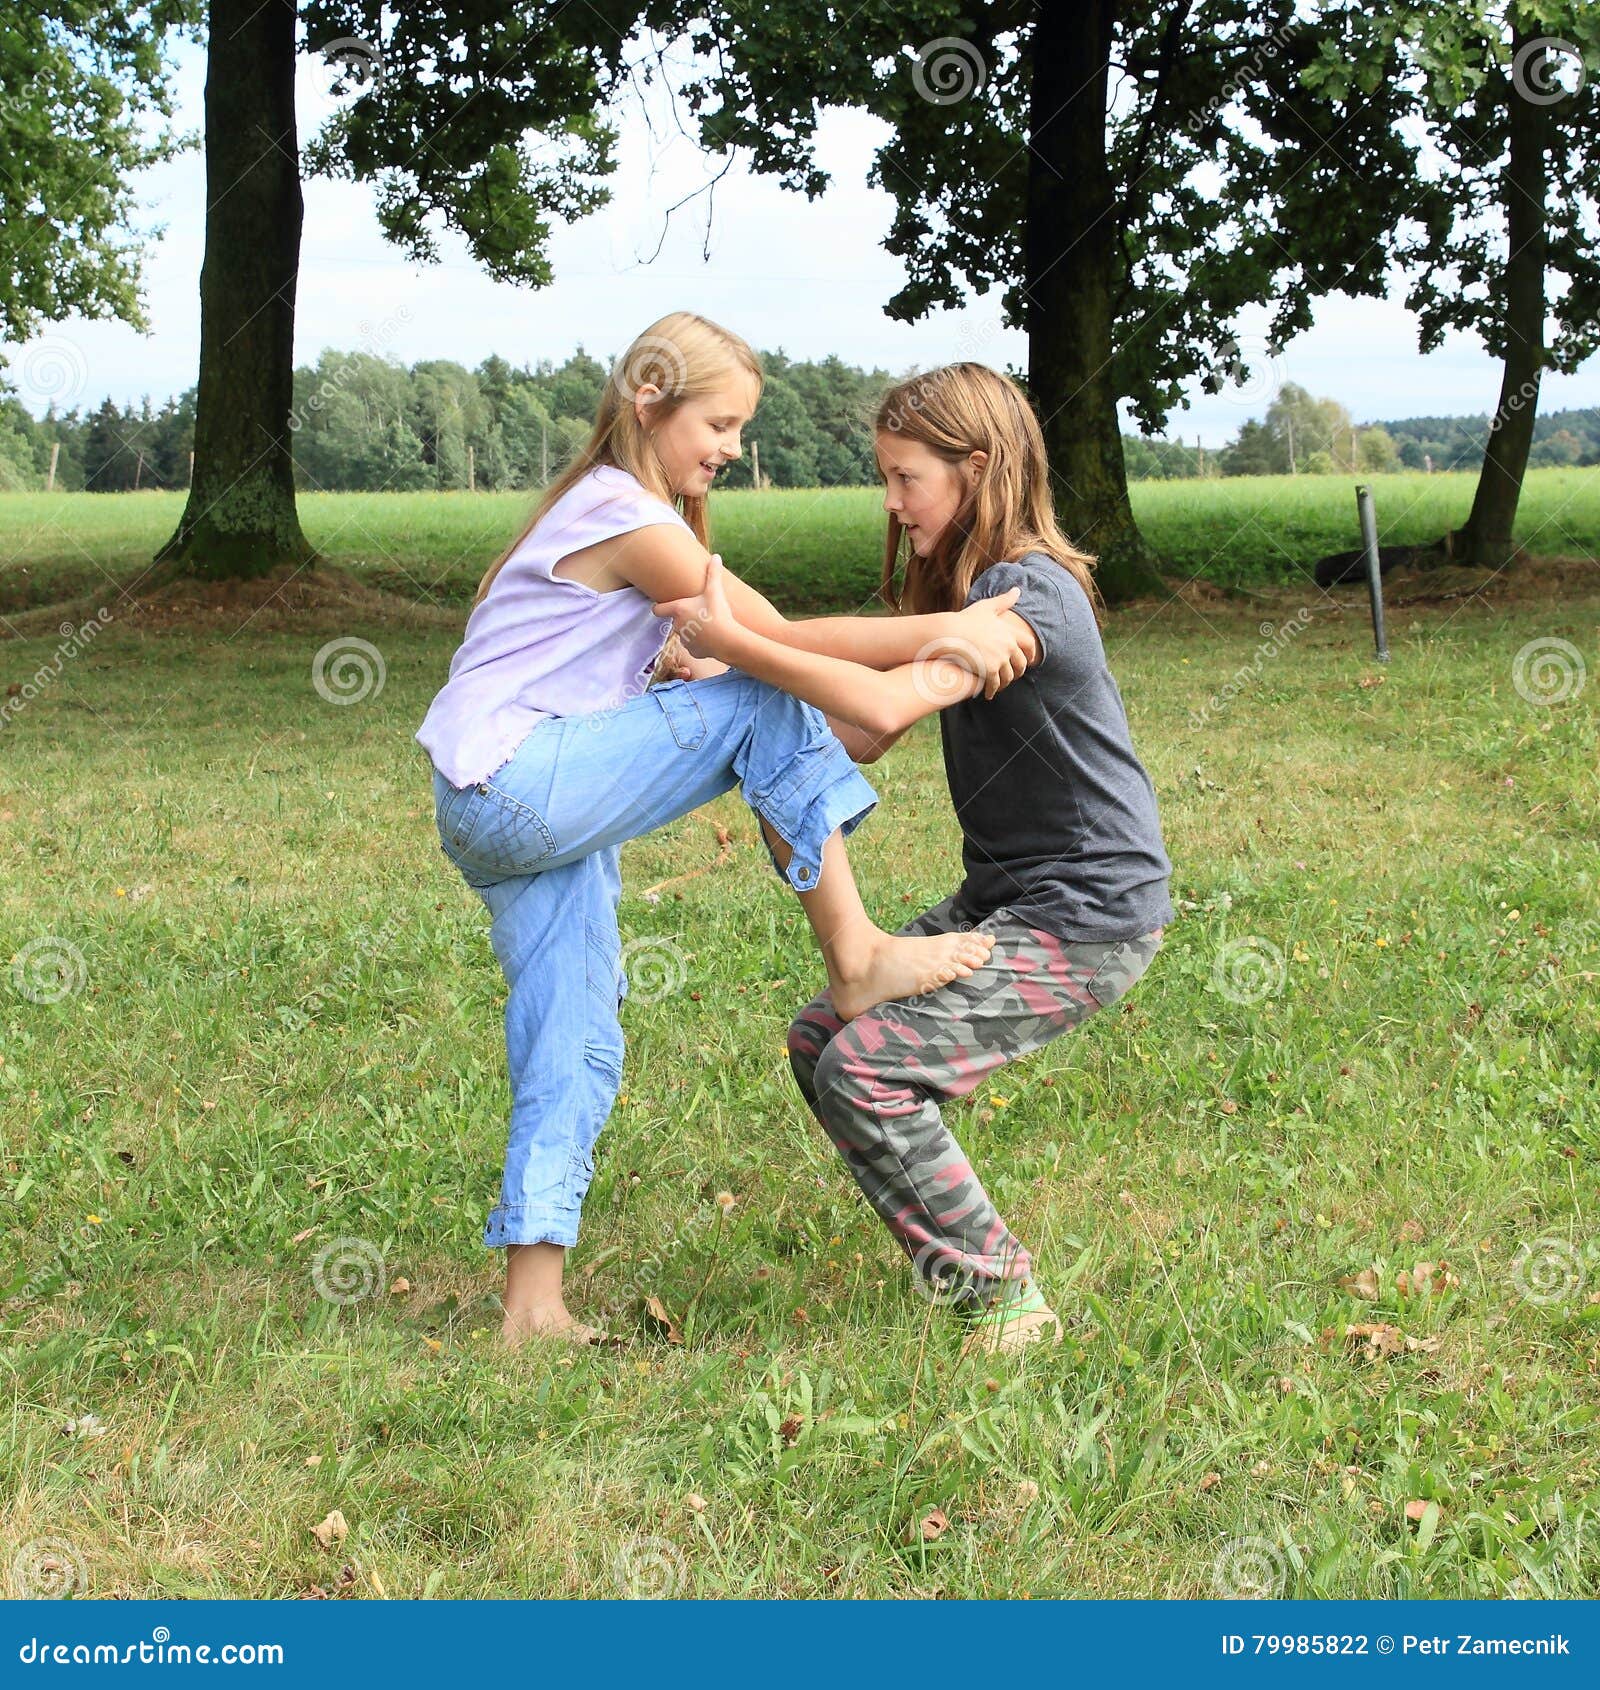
(810, 1032)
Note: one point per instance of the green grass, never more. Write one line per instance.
(286, 1033)
(807, 548)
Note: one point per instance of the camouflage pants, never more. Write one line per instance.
(876, 1083)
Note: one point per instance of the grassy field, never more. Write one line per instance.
(807, 548)
(251, 1029)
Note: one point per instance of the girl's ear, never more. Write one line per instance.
(975, 464)
(647, 394)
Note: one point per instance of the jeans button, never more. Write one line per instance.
(805, 874)
(483, 787)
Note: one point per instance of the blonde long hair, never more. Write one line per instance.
(955, 410)
(682, 355)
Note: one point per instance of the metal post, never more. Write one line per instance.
(1369, 542)
(55, 457)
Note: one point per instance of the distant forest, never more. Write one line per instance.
(363, 422)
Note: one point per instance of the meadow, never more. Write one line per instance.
(810, 550)
(1319, 1195)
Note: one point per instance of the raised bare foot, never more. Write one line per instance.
(521, 1324)
(899, 967)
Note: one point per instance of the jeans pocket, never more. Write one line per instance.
(1124, 963)
(685, 719)
(505, 834)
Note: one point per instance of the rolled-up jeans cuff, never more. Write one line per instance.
(805, 819)
(514, 1223)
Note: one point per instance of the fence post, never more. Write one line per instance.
(55, 454)
(1369, 543)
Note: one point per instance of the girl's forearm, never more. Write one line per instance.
(877, 642)
(884, 703)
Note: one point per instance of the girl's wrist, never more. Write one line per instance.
(951, 640)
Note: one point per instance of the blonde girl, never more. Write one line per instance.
(1061, 842)
(550, 747)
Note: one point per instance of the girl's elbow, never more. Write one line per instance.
(883, 719)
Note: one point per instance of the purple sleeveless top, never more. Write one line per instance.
(540, 645)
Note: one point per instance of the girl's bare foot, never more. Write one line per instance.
(896, 967)
(546, 1322)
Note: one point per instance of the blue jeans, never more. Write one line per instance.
(540, 843)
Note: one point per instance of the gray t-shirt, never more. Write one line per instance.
(1058, 817)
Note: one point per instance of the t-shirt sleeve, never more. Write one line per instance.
(1053, 605)
(598, 508)
(623, 511)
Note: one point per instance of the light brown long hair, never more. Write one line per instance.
(953, 411)
(683, 356)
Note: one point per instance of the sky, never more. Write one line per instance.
(809, 277)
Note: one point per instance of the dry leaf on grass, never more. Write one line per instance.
(934, 1525)
(1425, 1279)
(331, 1531)
(657, 1310)
(1377, 1339)
(1363, 1285)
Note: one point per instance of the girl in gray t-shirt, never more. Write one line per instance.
(1061, 841)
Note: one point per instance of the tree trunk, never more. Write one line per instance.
(1068, 256)
(1485, 541)
(240, 519)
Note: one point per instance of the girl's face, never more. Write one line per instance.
(701, 435)
(921, 488)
